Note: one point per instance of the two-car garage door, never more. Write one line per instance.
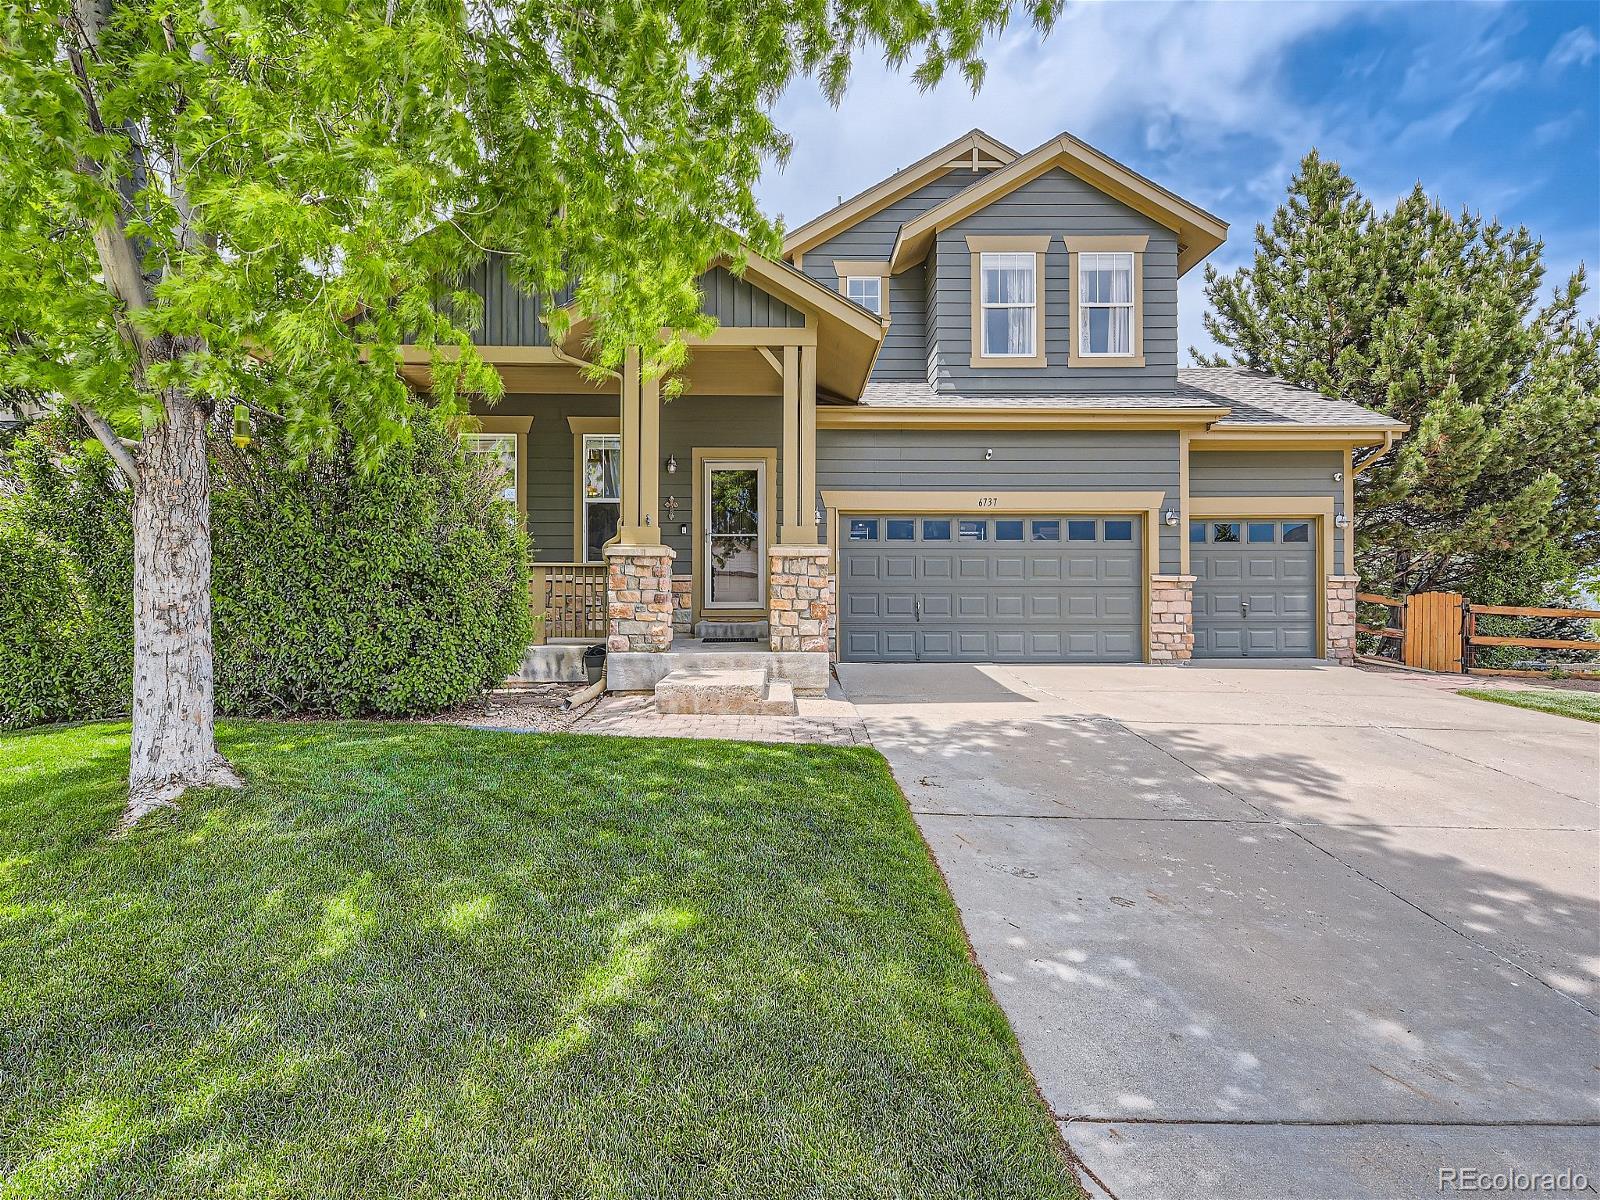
(971, 588)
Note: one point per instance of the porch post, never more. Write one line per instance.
(799, 466)
(641, 452)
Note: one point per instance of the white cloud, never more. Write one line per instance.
(1577, 47)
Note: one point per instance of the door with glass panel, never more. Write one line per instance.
(733, 574)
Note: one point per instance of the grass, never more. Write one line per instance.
(419, 961)
(1582, 706)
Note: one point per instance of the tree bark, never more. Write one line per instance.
(174, 737)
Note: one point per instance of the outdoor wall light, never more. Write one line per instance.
(1342, 521)
(1172, 516)
(821, 516)
(987, 455)
(672, 465)
(1338, 476)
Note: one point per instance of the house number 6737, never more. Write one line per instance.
(988, 501)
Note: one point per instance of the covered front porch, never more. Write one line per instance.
(679, 532)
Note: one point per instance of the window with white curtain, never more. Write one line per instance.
(1009, 297)
(1105, 304)
(602, 492)
(865, 290)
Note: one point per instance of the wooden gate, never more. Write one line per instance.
(1433, 631)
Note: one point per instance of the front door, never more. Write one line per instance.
(734, 545)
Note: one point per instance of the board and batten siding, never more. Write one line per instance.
(905, 352)
(929, 460)
(1055, 204)
(687, 423)
(1268, 473)
(513, 317)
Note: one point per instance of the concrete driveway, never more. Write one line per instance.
(1287, 932)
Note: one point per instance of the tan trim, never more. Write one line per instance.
(844, 270)
(974, 148)
(1388, 441)
(791, 440)
(769, 501)
(1292, 437)
(743, 337)
(518, 356)
(772, 360)
(630, 529)
(1349, 558)
(799, 290)
(1199, 232)
(521, 427)
(915, 417)
(1183, 501)
(807, 533)
(979, 245)
(1126, 245)
(578, 427)
(1145, 505)
(1281, 508)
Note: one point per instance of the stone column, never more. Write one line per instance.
(682, 605)
(1171, 619)
(1342, 616)
(799, 598)
(638, 598)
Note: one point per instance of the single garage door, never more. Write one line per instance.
(1254, 590)
(968, 588)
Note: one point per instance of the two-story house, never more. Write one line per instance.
(949, 426)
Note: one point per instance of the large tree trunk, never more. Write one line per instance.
(174, 739)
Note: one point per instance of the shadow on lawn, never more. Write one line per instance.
(432, 960)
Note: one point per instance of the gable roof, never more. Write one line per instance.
(1256, 398)
(977, 148)
(1199, 232)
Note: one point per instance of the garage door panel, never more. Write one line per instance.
(1065, 595)
(1254, 597)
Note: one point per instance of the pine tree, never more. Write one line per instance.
(1435, 319)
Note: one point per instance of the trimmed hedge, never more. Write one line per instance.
(400, 592)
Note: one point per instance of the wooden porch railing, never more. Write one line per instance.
(1438, 631)
(570, 598)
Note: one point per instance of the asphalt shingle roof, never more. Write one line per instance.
(1255, 398)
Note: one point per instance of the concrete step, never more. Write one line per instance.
(724, 692)
(732, 631)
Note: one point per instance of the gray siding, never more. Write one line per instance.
(905, 351)
(1054, 204)
(739, 303)
(1271, 473)
(511, 317)
(1024, 460)
(686, 423)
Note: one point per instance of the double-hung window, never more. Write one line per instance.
(865, 290)
(1105, 305)
(602, 491)
(1008, 294)
(498, 453)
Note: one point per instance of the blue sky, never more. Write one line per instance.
(1492, 107)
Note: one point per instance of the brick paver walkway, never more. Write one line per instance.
(822, 720)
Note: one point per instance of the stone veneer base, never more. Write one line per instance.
(1171, 619)
(1341, 600)
(639, 604)
(800, 598)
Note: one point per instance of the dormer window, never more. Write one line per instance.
(864, 282)
(1105, 305)
(865, 290)
(1008, 300)
(1107, 288)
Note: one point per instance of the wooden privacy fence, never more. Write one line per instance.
(1438, 631)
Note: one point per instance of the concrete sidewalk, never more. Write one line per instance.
(1289, 933)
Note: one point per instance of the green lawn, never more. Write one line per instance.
(1584, 706)
(421, 961)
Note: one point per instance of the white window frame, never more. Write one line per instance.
(984, 306)
(588, 500)
(1130, 305)
(494, 445)
(876, 282)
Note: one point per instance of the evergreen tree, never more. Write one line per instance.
(1435, 319)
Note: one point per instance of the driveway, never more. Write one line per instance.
(1283, 932)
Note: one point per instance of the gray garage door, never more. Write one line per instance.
(968, 588)
(1255, 588)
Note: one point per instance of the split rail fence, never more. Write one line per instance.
(1438, 631)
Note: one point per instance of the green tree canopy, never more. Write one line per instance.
(1435, 319)
(212, 202)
